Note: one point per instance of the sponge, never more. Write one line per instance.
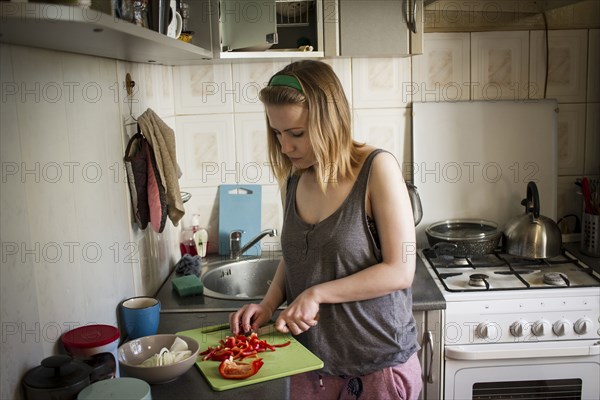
(187, 285)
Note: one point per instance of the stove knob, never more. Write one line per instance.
(517, 328)
(540, 327)
(487, 330)
(561, 327)
(582, 326)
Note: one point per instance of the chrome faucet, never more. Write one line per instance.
(235, 242)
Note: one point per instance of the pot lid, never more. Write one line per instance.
(118, 388)
(57, 372)
(463, 229)
(90, 336)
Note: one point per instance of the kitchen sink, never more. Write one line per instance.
(243, 279)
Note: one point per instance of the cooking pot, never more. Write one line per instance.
(532, 235)
(463, 237)
(58, 378)
(415, 202)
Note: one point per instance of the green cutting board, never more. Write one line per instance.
(285, 361)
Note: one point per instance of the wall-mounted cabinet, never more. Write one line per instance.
(363, 28)
(267, 29)
(87, 31)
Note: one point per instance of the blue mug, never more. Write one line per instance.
(140, 316)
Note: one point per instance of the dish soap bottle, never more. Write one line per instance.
(187, 245)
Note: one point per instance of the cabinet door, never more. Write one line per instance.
(248, 25)
(374, 27)
(429, 325)
(420, 318)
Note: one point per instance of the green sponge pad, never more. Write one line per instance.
(187, 285)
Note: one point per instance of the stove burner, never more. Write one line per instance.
(479, 280)
(555, 279)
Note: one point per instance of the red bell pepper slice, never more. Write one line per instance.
(230, 369)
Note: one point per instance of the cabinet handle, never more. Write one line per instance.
(411, 16)
(430, 363)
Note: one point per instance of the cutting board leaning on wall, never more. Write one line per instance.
(239, 209)
(474, 159)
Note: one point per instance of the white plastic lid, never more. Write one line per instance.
(119, 388)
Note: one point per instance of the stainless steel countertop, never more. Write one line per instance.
(426, 296)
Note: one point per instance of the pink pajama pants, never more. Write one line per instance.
(402, 381)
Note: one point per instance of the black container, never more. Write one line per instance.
(159, 15)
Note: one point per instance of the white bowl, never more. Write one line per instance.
(134, 352)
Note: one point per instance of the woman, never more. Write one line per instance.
(348, 245)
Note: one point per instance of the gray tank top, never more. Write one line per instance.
(354, 338)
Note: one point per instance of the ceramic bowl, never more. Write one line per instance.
(134, 352)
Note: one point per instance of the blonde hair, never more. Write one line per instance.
(328, 126)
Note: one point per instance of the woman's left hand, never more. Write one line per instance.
(300, 315)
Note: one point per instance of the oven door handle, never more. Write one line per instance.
(509, 351)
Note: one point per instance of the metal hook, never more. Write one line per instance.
(129, 85)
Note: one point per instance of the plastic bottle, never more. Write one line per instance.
(200, 236)
(187, 244)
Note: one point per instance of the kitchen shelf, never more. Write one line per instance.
(507, 6)
(86, 31)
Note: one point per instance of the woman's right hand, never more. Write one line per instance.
(249, 318)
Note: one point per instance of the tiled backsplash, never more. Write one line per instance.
(220, 129)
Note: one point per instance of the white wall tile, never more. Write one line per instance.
(251, 149)
(248, 79)
(442, 72)
(206, 150)
(499, 65)
(388, 129)
(593, 84)
(380, 82)
(592, 139)
(204, 89)
(272, 216)
(342, 66)
(569, 199)
(567, 65)
(571, 139)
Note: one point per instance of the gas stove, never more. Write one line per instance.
(500, 271)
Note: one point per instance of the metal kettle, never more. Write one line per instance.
(415, 202)
(532, 235)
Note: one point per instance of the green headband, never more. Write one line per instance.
(286, 80)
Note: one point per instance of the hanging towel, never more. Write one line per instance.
(157, 199)
(137, 178)
(162, 140)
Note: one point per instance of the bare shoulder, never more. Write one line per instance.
(386, 166)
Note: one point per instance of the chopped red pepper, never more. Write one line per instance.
(230, 369)
(239, 347)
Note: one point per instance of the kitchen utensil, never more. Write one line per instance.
(284, 361)
(585, 191)
(57, 378)
(134, 352)
(590, 235)
(90, 340)
(120, 388)
(239, 209)
(464, 237)
(532, 235)
(415, 202)
(140, 316)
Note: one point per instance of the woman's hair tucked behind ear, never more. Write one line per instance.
(329, 128)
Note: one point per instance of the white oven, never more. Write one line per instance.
(517, 336)
(545, 370)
